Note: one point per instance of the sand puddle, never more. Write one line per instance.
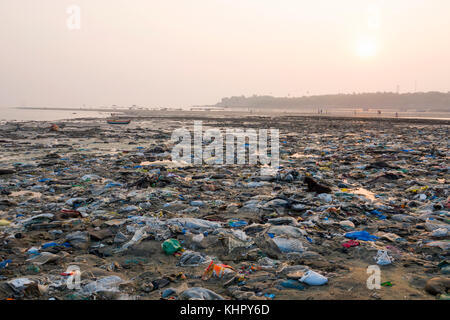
(26, 193)
(364, 192)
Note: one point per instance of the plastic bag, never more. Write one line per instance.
(383, 258)
(289, 245)
(171, 246)
(198, 293)
(313, 278)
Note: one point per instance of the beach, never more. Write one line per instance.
(107, 199)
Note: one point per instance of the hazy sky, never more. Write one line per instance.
(184, 52)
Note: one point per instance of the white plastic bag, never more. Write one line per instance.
(313, 278)
(383, 258)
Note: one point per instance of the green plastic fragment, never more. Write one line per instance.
(171, 246)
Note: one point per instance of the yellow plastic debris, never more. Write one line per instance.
(4, 222)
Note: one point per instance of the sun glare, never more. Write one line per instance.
(366, 48)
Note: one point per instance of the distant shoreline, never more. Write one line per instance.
(69, 109)
(233, 115)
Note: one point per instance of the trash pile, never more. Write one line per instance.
(93, 211)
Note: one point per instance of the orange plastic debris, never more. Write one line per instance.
(218, 270)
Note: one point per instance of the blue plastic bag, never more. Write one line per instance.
(361, 235)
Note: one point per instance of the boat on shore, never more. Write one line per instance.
(114, 121)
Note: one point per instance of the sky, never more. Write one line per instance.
(178, 53)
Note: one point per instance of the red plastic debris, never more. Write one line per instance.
(350, 243)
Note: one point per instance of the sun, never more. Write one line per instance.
(366, 48)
